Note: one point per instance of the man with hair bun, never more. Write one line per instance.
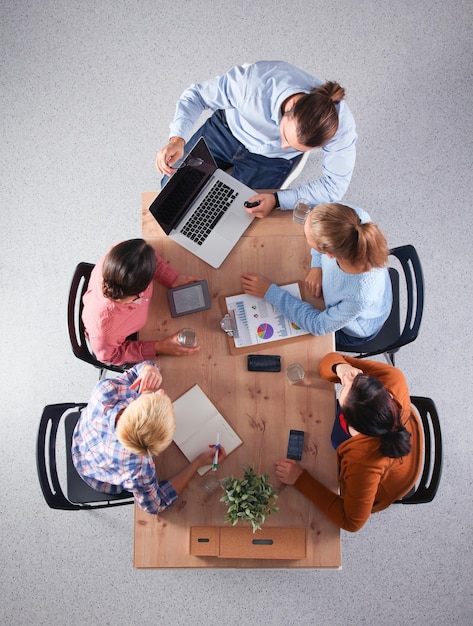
(265, 115)
(128, 421)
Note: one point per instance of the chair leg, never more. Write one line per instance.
(389, 356)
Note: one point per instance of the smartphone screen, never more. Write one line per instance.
(295, 445)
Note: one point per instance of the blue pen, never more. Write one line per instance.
(217, 446)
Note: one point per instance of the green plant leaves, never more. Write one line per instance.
(250, 499)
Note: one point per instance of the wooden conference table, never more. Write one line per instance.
(260, 406)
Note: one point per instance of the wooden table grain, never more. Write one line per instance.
(260, 406)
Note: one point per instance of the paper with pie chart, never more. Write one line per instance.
(259, 322)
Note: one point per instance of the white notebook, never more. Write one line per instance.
(198, 422)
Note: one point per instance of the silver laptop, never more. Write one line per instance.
(202, 207)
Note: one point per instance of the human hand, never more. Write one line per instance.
(267, 202)
(346, 373)
(287, 471)
(207, 457)
(255, 284)
(169, 155)
(184, 280)
(313, 280)
(170, 345)
(149, 379)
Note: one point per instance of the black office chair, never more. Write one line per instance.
(392, 337)
(80, 347)
(78, 495)
(428, 483)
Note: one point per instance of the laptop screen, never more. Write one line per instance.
(183, 187)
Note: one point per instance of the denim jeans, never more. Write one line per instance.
(254, 170)
(348, 340)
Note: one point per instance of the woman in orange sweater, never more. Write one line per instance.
(377, 439)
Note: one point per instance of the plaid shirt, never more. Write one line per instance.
(103, 462)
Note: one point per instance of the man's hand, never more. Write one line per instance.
(169, 155)
(149, 379)
(170, 345)
(288, 471)
(313, 280)
(255, 284)
(267, 202)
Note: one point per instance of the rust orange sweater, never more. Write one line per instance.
(369, 482)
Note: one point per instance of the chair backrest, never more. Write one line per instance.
(78, 494)
(395, 334)
(75, 305)
(428, 483)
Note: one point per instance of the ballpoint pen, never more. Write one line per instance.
(217, 446)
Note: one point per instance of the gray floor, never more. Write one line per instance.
(87, 91)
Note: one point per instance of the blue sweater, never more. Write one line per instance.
(358, 304)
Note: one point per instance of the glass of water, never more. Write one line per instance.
(187, 337)
(301, 210)
(295, 373)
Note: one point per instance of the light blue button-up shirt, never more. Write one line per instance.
(252, 97)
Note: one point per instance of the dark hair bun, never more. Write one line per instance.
(396, 443)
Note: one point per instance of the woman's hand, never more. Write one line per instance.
(313, 280)
(184, 280)
(207, 457)
(346, 373)
(170, 345)
(288, 471)
(149, 379)
(255, 284)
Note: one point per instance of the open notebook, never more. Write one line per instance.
(198, 422)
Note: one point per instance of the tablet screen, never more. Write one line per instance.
(189, 298)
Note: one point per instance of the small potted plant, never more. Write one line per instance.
(251, 499)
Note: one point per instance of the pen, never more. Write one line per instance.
(217, 446)
(251, 205)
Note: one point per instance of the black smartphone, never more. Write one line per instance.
(264, 363)
(295, 445)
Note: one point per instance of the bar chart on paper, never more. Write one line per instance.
(259, 322)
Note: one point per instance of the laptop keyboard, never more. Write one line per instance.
(210, 211)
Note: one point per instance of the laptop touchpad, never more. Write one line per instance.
(230, 228)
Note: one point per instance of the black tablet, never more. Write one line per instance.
(189, 298)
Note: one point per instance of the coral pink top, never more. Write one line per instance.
(108, 323)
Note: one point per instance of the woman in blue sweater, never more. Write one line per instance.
(348, 268)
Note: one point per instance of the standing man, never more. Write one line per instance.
(265, 116)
